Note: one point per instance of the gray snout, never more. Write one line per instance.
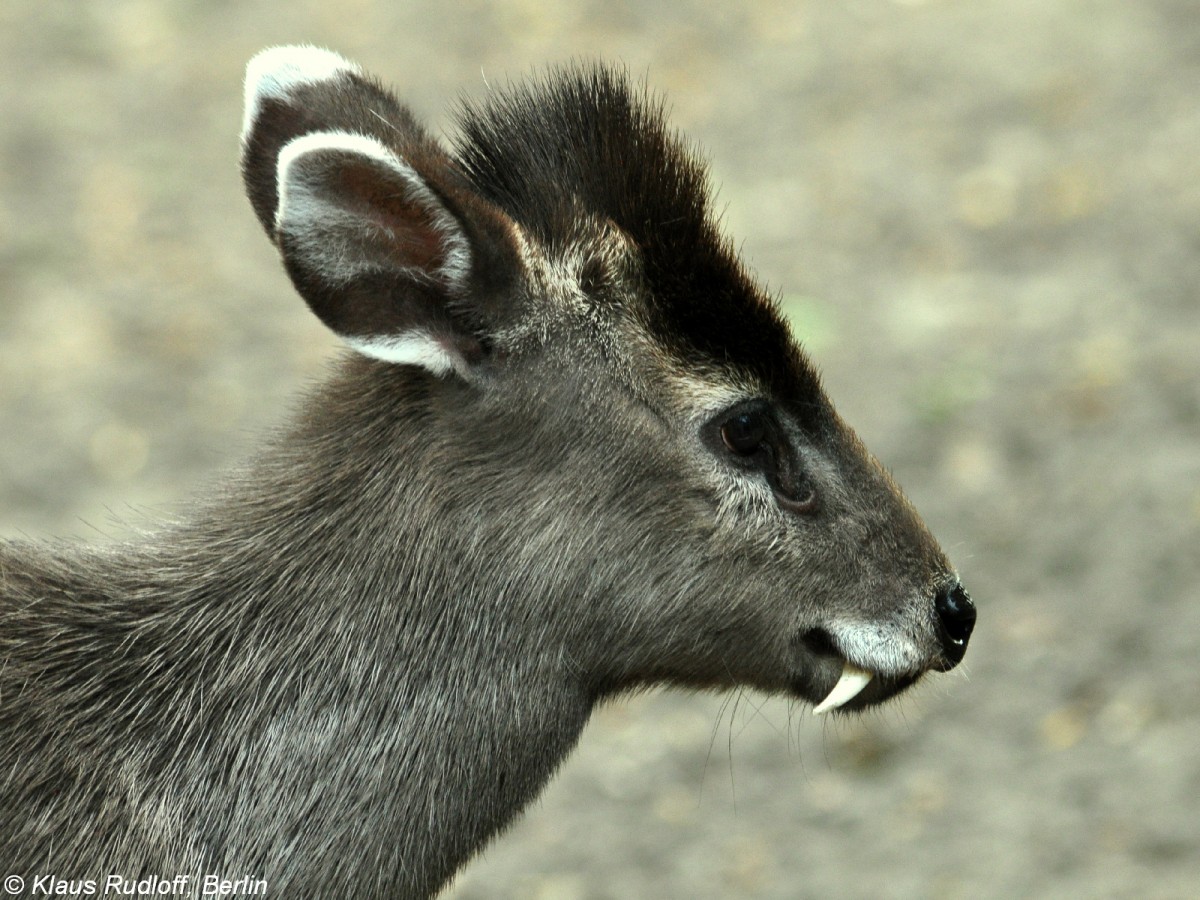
(956, 617)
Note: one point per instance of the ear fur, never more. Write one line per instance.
(377, 230)
(272, 73)
(371, 248)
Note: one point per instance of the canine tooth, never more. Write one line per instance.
(852, 681)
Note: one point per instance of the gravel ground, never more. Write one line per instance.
(984, 218)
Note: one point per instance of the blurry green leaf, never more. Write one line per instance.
(942, 396)
(812, 321)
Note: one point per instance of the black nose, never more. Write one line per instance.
(956, 613)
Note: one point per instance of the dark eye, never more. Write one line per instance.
(745, 433)
(752, 435)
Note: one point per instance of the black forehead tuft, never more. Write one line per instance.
(583, 142)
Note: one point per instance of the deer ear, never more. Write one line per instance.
(376, 232)
(371, 248)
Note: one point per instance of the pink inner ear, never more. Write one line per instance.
(417, 239)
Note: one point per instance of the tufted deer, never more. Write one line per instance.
(575, 452)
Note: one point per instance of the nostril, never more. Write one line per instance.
(956, 612)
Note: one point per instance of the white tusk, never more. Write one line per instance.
(853, 680)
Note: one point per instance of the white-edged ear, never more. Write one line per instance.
(274, 72)
(372, 248)
(379, 230)
(415, 348)
(386, 210)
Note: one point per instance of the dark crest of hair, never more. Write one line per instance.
(584, 142)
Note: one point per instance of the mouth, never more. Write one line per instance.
(850, 684)
(857, 688)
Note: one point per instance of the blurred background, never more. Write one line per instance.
(984, 220)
